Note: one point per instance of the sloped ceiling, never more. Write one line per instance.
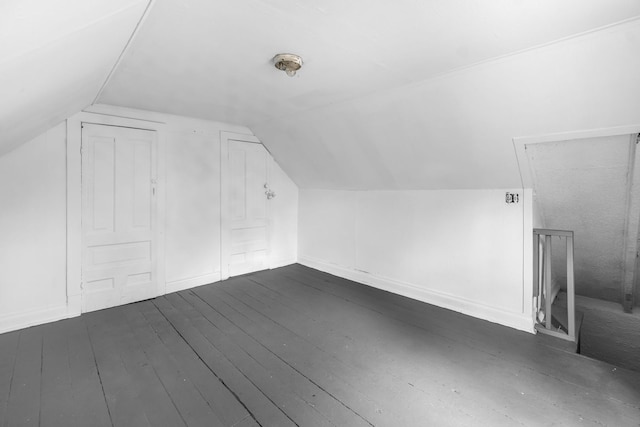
(403, 94)
(55, 57)
(376, 105)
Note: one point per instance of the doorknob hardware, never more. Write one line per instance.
(270, 193)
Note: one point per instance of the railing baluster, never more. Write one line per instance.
(571, 302)
(540, 271)
(542, 277)
(547, 281)
(536, 265)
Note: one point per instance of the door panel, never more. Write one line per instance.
(248, 205)
(101, 196)
(118, 216)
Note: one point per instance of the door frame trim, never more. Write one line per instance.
(225, 228)
(74, 200)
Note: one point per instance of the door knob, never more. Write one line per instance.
(270, 193)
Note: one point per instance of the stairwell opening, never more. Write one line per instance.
(590, 185)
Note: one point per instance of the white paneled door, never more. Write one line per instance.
(118, 216)
(248, 247)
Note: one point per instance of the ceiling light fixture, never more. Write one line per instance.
(287, 62)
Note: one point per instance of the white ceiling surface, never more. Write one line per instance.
(54, 57)
(375, 106)
(212, 60)
(581, 185)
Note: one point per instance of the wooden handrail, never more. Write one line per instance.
(551, 232)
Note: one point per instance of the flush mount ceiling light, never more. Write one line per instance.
(287, 62)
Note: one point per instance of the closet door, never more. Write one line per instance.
(119, 240)
(247, 228)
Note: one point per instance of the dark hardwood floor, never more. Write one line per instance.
(295, 346)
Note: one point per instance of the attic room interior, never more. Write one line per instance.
(428, 215)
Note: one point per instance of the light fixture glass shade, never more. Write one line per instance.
(287, 62)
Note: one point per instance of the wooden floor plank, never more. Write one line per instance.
(347, 338)
(24, 397)
(122, 393)
(279, 389)
(221, 400)
(525, 358)
(193, 408)
(297, 410)
(511, 391)
(296, 346)
(343, 381)
(159, 407)
(357, 392)
(90, 405)
(246, 422)
(478, 335)
(260, 407)
(56, 409)
(438, 320)
(8, 352)
(293, 380)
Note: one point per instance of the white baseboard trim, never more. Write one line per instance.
(73, 308)
(192, 282)
(15, 321)
(74, 305)
(282, 263)
(518, 321)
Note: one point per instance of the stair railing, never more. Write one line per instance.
(542, 283)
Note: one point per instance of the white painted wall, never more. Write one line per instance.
(39, 214)
(459, 249)
(192, 229)
(193, 220)
(283, 239)
(33, 231)
(328, 227)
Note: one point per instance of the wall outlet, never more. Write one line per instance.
(512, 198)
